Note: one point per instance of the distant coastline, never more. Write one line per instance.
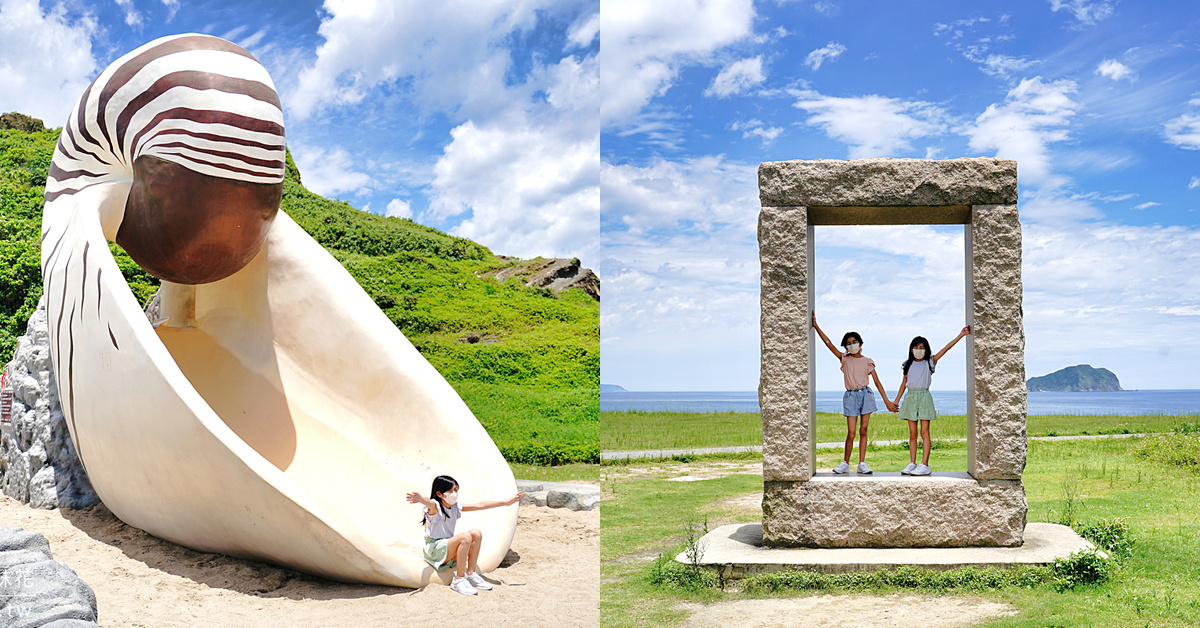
(611, 388)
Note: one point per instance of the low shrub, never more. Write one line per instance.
(1081, 568)
(907, 577)
(666, 572)
(1180, 448)
(1110, 535)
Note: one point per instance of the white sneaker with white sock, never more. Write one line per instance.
(462, 585)
(843, 467)
(478, 582)
(922, 470)
(864, 469)
(908, 469)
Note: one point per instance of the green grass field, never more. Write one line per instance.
(620, 431)
(645, 514)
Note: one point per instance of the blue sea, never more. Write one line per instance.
(1125, 403)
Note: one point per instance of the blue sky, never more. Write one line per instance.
(1098, 100)
(479, 117)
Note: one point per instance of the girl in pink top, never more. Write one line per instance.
(858, 400)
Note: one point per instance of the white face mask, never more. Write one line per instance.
(853, 347)
(919, 354)
(450, 498)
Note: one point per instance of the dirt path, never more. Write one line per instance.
(550, 578)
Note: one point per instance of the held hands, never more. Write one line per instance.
(891, 405)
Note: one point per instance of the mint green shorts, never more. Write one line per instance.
(917, 405)
(435, 554)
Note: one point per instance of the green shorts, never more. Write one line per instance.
(918, 405)
(435, 554)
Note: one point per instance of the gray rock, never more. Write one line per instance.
(38, 462)
(894, 511)
(36, 590)
(534, 498)
(572, 500)
(896, 183)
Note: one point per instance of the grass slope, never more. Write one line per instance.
(526, 361)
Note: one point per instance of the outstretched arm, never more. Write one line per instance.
(900, 393)
(886, 401)
(965, 330)
(825, 338)
(493, 504)
(417, 498)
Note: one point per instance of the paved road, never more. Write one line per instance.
(667, 453)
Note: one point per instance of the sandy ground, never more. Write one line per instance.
(846, 610)
(550, 578)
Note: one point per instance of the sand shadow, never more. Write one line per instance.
(218, 571)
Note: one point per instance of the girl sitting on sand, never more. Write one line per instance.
(918, 404)
(444, 548)
(858, 400)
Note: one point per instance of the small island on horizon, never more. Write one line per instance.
(611, 388)
(1079, 378)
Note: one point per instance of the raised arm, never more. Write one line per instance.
(965, 330)
(493, 504)
(878, 384)
(417, 498)
(825, 338)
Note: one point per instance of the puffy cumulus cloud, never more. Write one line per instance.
(1184, 131)
(1033, 115)
(873, 126)
(1114, 70)
(1085, 11)
(453, 55)
(646, 43)
(397, 208)
(831, 51)
(736, 77)
(528, 181)
(1095, 295)
(133, 19)
(756, 128)
(47, 59)
(585, 32)
(329, 171)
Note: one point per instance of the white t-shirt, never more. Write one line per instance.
(919, 374)
(441, 525)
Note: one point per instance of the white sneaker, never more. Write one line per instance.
(478, 582)
(462, 585)
(908, 469)
(842, 467)
(864, 469)
(922, 469)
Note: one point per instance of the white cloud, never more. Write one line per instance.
(1086, 11)
(1194, 183)
(1184, 131)
(1147, 205)
(831, 51)
(1033, 115)
(756, 128)
(736, 77)
(957, 26)
(329, 171)
(133, 19)
(646, 43)
(1114, 70)
(700, 192)
(397, 208)
(454, 53)
(528, 181)
(584, 33)
(873, 126)
(172, 8)
(46, 58)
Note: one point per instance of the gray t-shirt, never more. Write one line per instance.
(441, 525)
(919, 375)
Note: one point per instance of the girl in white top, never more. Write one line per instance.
(445, 549)
(918, 404)
(858, 400)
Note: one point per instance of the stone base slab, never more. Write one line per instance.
(737, 551)
(892, 510)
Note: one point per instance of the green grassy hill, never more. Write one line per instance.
(525, 360)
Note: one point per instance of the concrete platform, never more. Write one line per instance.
(737, 550)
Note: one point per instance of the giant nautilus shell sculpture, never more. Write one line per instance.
(277, 414)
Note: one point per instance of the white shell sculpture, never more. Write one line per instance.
(277, 414)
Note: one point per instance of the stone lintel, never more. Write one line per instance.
(890, 510)
(887, 182)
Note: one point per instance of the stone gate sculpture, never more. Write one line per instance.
(277, 414)
(985, 505)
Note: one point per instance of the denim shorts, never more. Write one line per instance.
(858, 402)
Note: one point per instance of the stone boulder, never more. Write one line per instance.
(35, 589)
(38, 462)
